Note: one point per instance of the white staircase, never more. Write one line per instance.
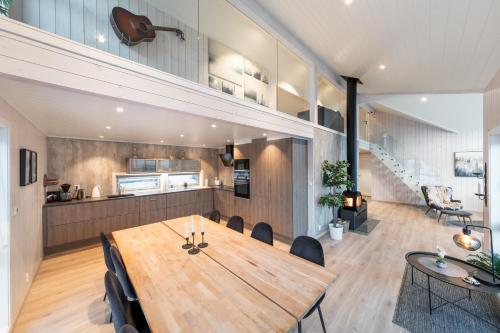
(413, 179)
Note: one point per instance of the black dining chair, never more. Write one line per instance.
(213, 215)
(236, 223)
(128, 329)
(123, 311)
(106, 246)
(310, 249)
(263, 232)
(121, 274)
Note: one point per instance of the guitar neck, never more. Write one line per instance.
(156, 27)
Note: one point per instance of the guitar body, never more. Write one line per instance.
(131, 29)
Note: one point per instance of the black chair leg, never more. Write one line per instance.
(428, 210)
(321, 318)
(105, 295)
(111, 317)
(300, 327)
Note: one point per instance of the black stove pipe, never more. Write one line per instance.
(352, 129)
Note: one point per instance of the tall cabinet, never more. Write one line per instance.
(278, 186)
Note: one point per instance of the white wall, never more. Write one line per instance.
(26, 206)
(491, 126)
(457, 112)
(433, 150)
(365, 174)
(4, 229)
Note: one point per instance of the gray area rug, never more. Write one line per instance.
(412, 309)
(367, 226)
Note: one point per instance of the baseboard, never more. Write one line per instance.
(318, 236)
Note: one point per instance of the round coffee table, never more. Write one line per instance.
(453, 274)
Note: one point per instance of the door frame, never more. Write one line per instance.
(4, 125)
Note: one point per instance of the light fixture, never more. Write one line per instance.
(382, 67)
(424, 99)
(108, 127)
(119, 109)
(100, 38)
(182, 135)
(228, 140)
(348, 2)
(264, 134)
(101, 136)
(214, 125)
(204, 145)
(466, 241)
(161, 141)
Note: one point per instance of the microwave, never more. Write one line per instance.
(242, 165)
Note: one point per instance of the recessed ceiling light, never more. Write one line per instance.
(348, 2)
(424, 99)
(101, 136)
(264, 134)
(161, 141)
(228, 140)
(101, 38)
(119, 109)
(182, 135)
(108, 127)
(214, 125)
(382, 67)
(204, 145)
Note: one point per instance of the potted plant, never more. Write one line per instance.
(483, 260)
(440, 262)
(4, 7)
(337, 180)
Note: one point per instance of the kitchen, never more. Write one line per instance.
(118, 185)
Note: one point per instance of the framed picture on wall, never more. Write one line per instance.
(33, 167)
(469, 164)
(24, 167)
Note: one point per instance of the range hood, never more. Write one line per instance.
(228, 157)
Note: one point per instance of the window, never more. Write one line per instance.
(293, 84)
(178, 180)
(130, 183)
(331, 105)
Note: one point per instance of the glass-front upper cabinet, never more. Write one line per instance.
(293, 84)
(331, 105)
(242, 57)
(124, 28)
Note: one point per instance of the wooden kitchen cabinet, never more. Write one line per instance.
(187, 203)
(69, 223)
(153, 209)
(224, 202)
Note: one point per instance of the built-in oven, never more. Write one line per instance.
(241, 178)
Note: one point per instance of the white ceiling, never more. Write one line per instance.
(65, 113)
(427, 45)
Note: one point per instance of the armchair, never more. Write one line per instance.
(440, 198)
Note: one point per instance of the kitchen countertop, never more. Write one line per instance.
(104, 198)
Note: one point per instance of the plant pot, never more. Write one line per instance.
(336, 231)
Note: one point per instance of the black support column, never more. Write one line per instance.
(352, 129)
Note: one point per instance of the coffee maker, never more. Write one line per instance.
(65, 194)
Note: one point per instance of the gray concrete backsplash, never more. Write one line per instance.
(87, 162)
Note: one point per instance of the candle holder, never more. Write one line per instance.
(187, 245)
(202, 244)
(193, 249)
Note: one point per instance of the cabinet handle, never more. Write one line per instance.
(153, 199)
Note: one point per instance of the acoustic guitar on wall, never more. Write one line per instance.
(133, 29)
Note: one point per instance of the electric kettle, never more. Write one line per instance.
(96, 191)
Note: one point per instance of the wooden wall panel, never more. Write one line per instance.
(426, 151)
(84, 20)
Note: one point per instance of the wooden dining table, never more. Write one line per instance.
(235, 284)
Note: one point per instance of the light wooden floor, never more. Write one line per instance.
(66, 295)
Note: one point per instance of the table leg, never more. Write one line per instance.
(429, 293)
(412, 275)
(470, 297)
(300, 326)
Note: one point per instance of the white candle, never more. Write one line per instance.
(192, 224)
(202, 224)
(186, 233)
(479, 189)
